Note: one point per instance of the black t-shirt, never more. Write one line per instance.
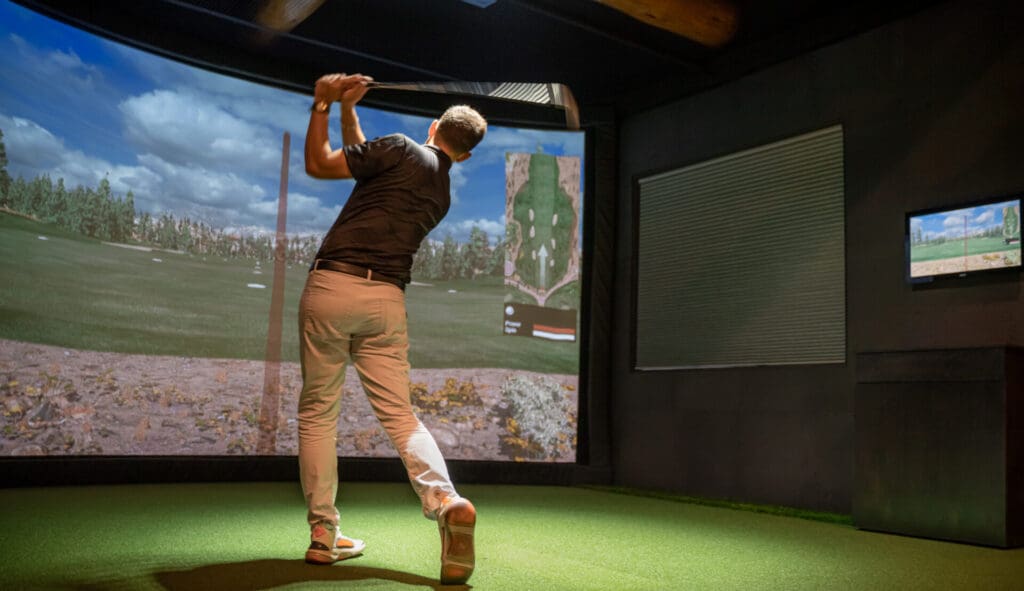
(401, 194)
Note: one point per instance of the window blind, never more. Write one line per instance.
(741, 259)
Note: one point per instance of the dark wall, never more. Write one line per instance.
(933, 113)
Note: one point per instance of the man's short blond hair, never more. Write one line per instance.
(461, 128)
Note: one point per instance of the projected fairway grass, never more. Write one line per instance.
(77, 292)
(960, 248)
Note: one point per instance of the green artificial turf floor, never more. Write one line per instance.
(243, 536)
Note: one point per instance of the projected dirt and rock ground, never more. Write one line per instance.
(59, 401)
(962, 264)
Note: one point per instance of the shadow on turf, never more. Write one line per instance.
(271, 573)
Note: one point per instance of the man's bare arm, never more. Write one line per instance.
(322, 161)
(351, 133)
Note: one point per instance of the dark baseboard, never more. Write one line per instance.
(93, 470)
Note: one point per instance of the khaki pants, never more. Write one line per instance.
(344, 318)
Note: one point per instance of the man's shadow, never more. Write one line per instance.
(272, 573)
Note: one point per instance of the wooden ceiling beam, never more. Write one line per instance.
(285, 15)
(712, 23)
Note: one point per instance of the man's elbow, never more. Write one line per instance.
(317, 169)
(326, 164)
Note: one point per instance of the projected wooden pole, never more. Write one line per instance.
(966, 266)
(270, 407)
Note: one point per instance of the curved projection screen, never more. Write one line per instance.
(137, 238)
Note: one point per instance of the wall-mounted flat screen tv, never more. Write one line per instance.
(964, 239)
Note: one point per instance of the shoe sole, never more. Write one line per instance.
(457, 556)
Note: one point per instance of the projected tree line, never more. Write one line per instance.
(452, 260)
(98, 213)
(1009, 229)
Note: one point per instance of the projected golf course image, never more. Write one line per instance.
(138, 250)
(112, 350)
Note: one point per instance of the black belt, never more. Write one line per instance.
(356, 270)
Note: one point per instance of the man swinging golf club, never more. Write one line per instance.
(353, 310)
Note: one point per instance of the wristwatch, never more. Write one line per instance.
(320, 107)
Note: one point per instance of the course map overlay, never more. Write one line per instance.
(542, 211)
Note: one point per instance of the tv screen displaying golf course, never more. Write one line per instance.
(139, 203)
(962, 240)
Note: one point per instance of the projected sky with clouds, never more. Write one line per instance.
(196, 144)
(961, 222)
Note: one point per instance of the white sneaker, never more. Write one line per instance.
(328, 545)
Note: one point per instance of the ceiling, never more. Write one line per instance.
(613, 63)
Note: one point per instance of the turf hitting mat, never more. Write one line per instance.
(253, 536)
